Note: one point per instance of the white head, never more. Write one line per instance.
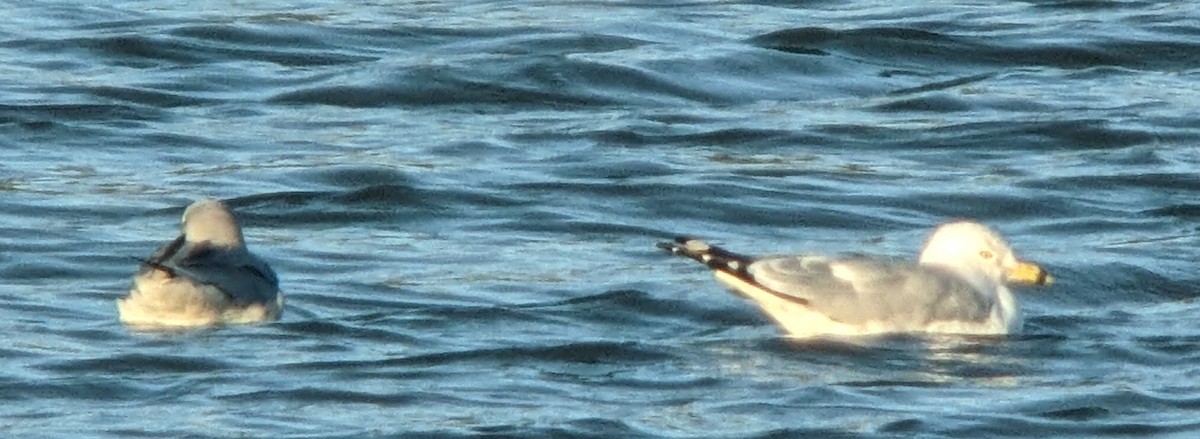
(210, 220)
(975, 251)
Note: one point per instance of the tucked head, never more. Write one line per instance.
(970, 246)
(210, 220)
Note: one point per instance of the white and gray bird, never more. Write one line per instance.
(957, 286)
(204, 277)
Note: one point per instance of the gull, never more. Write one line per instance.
(957, 286)
(204, 277)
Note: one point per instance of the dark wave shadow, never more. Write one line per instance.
(908, 46)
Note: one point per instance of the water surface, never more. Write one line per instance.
(461, 199)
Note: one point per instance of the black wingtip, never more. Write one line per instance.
(676, 244)
(147, 264)
(722, 260)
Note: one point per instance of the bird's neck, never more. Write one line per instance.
(1005, 309)
(1008, 310)
(973, 276)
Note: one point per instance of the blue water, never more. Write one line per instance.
(462, 200)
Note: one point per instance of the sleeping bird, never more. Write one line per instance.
(204, 277)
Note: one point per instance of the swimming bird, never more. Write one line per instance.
(957, 286)
(204, 277)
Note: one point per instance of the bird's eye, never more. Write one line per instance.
(985, 254)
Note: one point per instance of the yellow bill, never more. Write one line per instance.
(1028, 273)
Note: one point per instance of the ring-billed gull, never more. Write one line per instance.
(204, 277)
(956, 286)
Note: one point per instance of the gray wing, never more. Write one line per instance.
(233, 270)
(858, 289)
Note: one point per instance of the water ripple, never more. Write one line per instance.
(462, 200)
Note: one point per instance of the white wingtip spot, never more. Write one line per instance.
(734, 265)
(697, 246)
(706, 257)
